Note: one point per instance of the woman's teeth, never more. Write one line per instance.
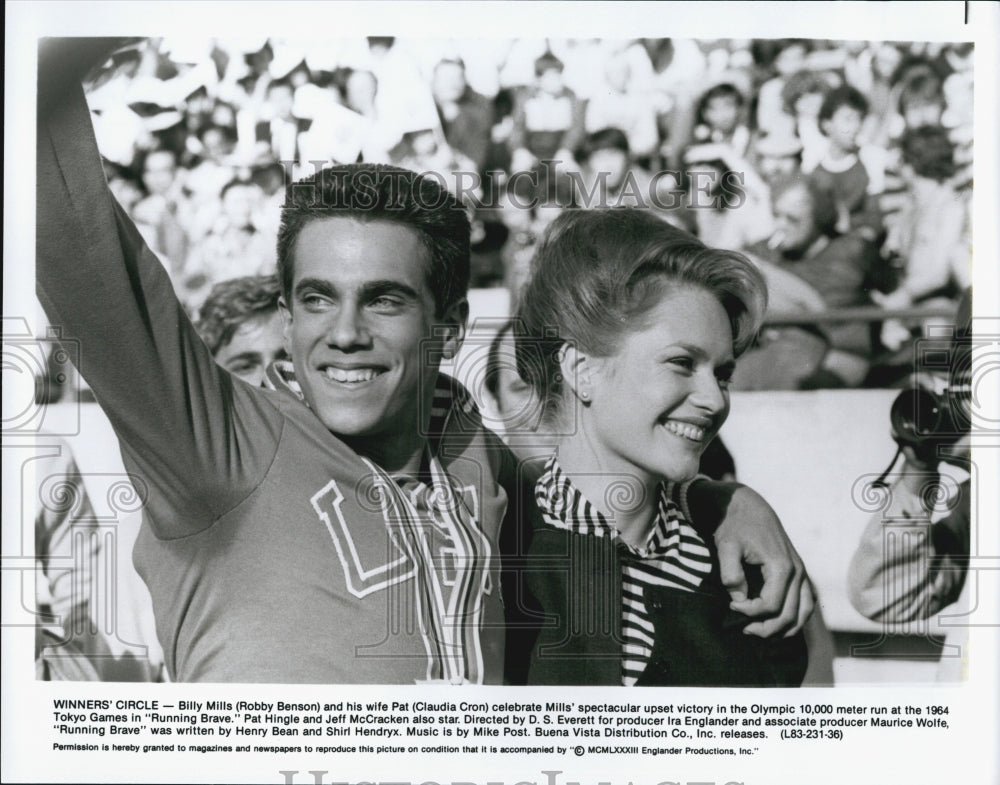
(688, 431)
(351, 375)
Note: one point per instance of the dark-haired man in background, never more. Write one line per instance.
(240, 324)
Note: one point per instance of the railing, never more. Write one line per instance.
(869, 313)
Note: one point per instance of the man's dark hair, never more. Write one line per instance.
(547, 62)
(923, 88)
(721, 90)
(228, 132)
(930, 152)
(379, 192)
(233, 302)
(845, 95)
(604, 139)
(799, 84)
(236, 182)
(276, 84)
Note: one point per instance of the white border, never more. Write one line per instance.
(969, 756)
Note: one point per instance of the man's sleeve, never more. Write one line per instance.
(906, 568)
(185, 426)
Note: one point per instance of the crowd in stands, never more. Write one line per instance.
(842, 168)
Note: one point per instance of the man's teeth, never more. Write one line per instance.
(688, 431)
(350, 375)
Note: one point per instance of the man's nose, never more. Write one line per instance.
(347, 328)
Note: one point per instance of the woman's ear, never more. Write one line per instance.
(577, 370)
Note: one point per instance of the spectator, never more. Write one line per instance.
(548, 120)
(528, 206)
(162, 207)
(234, 246)
(718, 118)
(777, 156)
(466, 117)
(789, 58)
(240, 324)
(930, 234)
(912, 559)
(205, 180)
(424, 150)
(608, 177)
(921, 99)
(512, 409)
(620, 105)
(836, 267)
(841, 172)
(278, 128)
(729, 200)
(802, 97)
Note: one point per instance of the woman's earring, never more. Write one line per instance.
(584, 395)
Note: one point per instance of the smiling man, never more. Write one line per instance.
(342, 525)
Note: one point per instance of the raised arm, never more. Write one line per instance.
(180, 419)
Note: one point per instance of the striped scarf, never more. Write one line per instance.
(674, 555)
(436, 525)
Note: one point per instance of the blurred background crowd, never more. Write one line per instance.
(842, 168)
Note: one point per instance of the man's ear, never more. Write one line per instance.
(286, 324)
(454, 320)
(577, 370)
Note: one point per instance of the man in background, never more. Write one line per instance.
(241, 326)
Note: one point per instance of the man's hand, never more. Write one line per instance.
(748, 532)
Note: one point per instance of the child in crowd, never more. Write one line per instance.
(802, 97)
(718, 118)
(841, 172)
(548, 119)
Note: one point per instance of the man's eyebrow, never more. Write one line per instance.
(369, 289)
(317, 285)
(373, 289)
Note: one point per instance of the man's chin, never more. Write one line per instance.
(351, 426)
